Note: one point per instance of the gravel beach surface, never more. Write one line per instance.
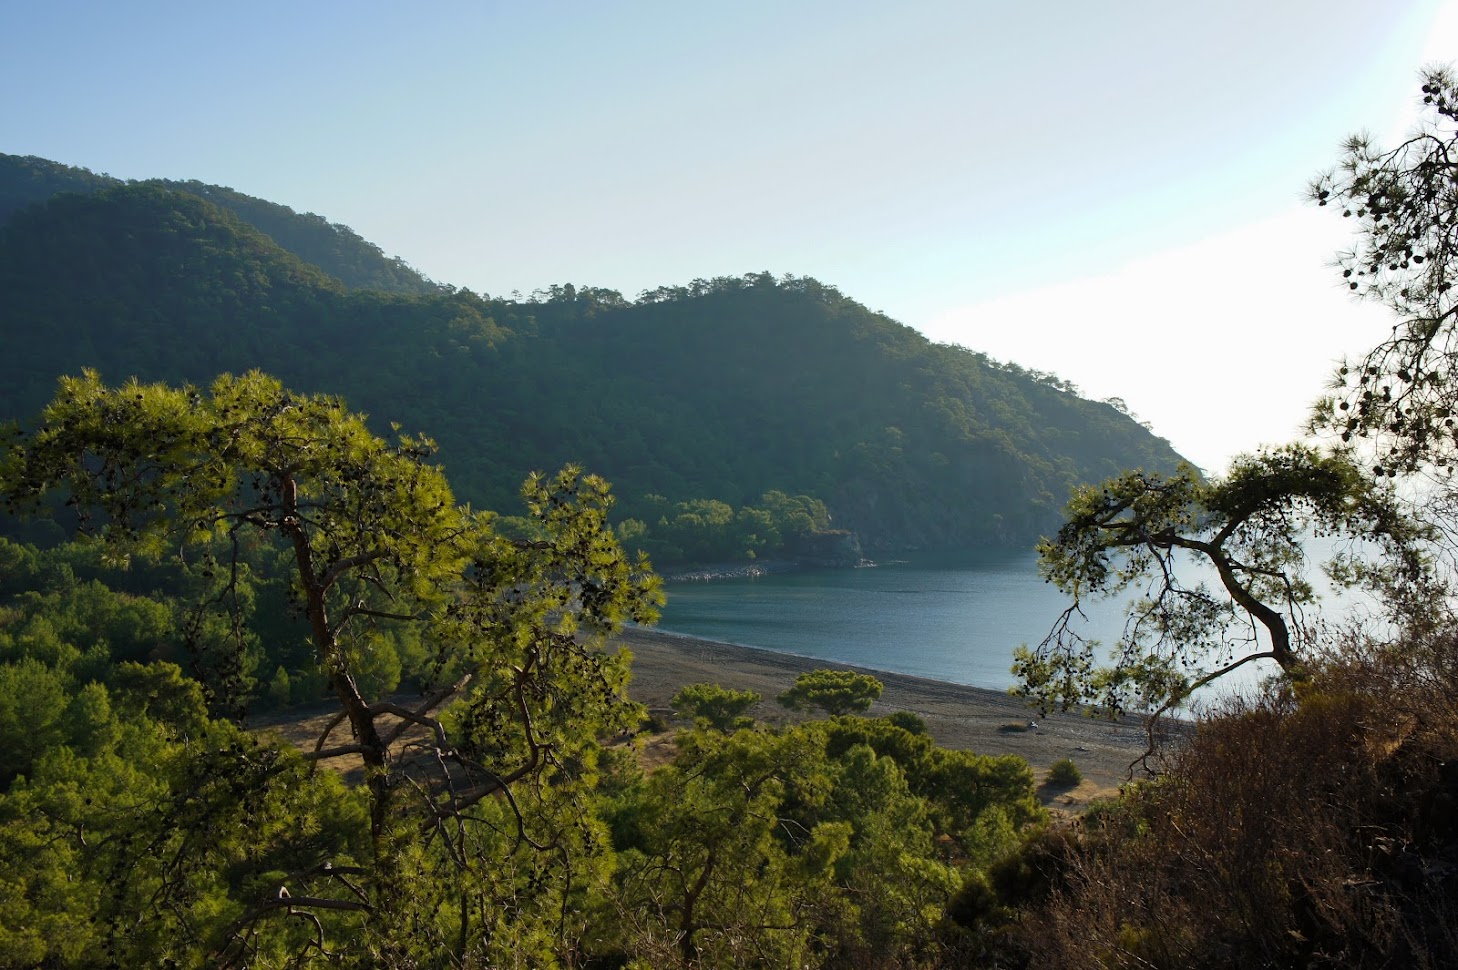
(957, 716)
(970, 718)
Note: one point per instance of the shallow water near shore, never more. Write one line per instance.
(952, 619)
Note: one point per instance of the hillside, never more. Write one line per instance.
(337, 250)
(723, 389)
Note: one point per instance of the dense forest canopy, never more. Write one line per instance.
(336, 249)
(501, 818)
(722, 390)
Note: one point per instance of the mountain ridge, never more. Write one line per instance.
(336, 249)
(724, 389)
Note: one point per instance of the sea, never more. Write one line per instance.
(954, 619)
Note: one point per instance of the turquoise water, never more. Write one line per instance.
(955, 620)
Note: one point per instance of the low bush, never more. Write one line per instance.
(1064, 772)
(1317, 827)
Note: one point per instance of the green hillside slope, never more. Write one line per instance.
(337, 250)
(723, 389)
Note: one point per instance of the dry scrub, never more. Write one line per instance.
(1318, 828)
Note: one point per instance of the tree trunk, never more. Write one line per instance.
(1272, 620)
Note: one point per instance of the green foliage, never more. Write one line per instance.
(1064, 772)
(336, 249)
(847, 838)
(138, 798)
(834, 691)
(779, 398)
(33, 703)
(711, 882)
(374, 548)
(712, 706)
(1251, 527)
(825, 844)
(26, 180)
(705, 530)
(907, 721)
(1401, 396)
(159, 691)
(280, 688)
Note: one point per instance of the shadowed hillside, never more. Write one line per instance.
(722, 390)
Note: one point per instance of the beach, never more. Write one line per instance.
(957, 716)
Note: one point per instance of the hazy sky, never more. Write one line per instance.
(1109, 191)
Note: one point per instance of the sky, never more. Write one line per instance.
(1110, 192)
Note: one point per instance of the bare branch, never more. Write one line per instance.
(334, 722)
(332, 574)
(337, 752)
(417, 715)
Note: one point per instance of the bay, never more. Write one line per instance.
(955, 620)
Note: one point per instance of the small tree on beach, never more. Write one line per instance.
(719, 708)
(836, 692)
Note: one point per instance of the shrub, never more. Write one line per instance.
(1064, 772)
(712, 706)
(907, 721)
(1298, 829)
(653, 723)
(836, 692)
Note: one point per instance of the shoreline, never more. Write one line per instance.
(958, 716)
(731, 570)
(714, 572)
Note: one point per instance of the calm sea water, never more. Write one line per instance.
(953, 620)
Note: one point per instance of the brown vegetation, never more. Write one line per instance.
(1319, 830)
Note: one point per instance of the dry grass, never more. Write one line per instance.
(1318, 832)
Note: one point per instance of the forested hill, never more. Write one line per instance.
(722, 390)
(337, 250)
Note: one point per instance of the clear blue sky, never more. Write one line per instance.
(1108, 191)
